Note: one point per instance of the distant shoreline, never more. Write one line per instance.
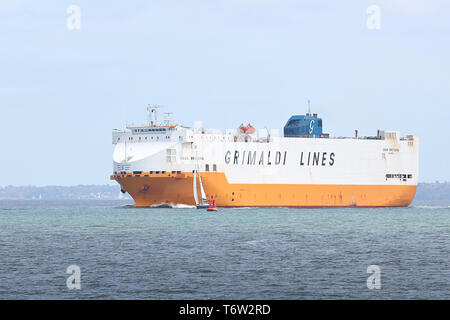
(425, 191)
(80, 192)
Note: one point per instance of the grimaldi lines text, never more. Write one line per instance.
(166, 163)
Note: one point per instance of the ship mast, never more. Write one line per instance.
(153, 114)
(168, 120)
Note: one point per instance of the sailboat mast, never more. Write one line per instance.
(201, 188)
(195, 187)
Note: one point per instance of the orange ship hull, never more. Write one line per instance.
(177, 188)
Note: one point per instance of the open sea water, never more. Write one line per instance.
(248, 253)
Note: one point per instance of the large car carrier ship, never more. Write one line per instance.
(167, 164)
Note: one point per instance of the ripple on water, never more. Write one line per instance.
(246, 253)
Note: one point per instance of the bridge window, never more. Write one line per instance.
(207, 167)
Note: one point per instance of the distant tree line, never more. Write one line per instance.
(425, 191)
(80, 192)
(433, 191)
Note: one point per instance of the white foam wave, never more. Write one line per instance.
(183, 206)
(431, 207)
(173, 206)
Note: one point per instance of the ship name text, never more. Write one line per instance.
(277, 158)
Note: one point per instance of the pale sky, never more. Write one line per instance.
(229, 62)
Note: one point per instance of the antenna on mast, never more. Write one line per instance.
(309, 107)
(168, 119)
(153, 114)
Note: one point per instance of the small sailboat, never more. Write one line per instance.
(203, 204)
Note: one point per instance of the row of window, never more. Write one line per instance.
(145, 138)
(400, 176)
(153, 130)
(214, 168)
(151, 172)
(207, 167)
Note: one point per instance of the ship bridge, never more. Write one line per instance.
(166, 131)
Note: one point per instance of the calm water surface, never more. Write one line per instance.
(184, 253)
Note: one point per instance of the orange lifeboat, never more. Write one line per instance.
(246, 129)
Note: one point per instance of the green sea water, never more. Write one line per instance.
(247, 253)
